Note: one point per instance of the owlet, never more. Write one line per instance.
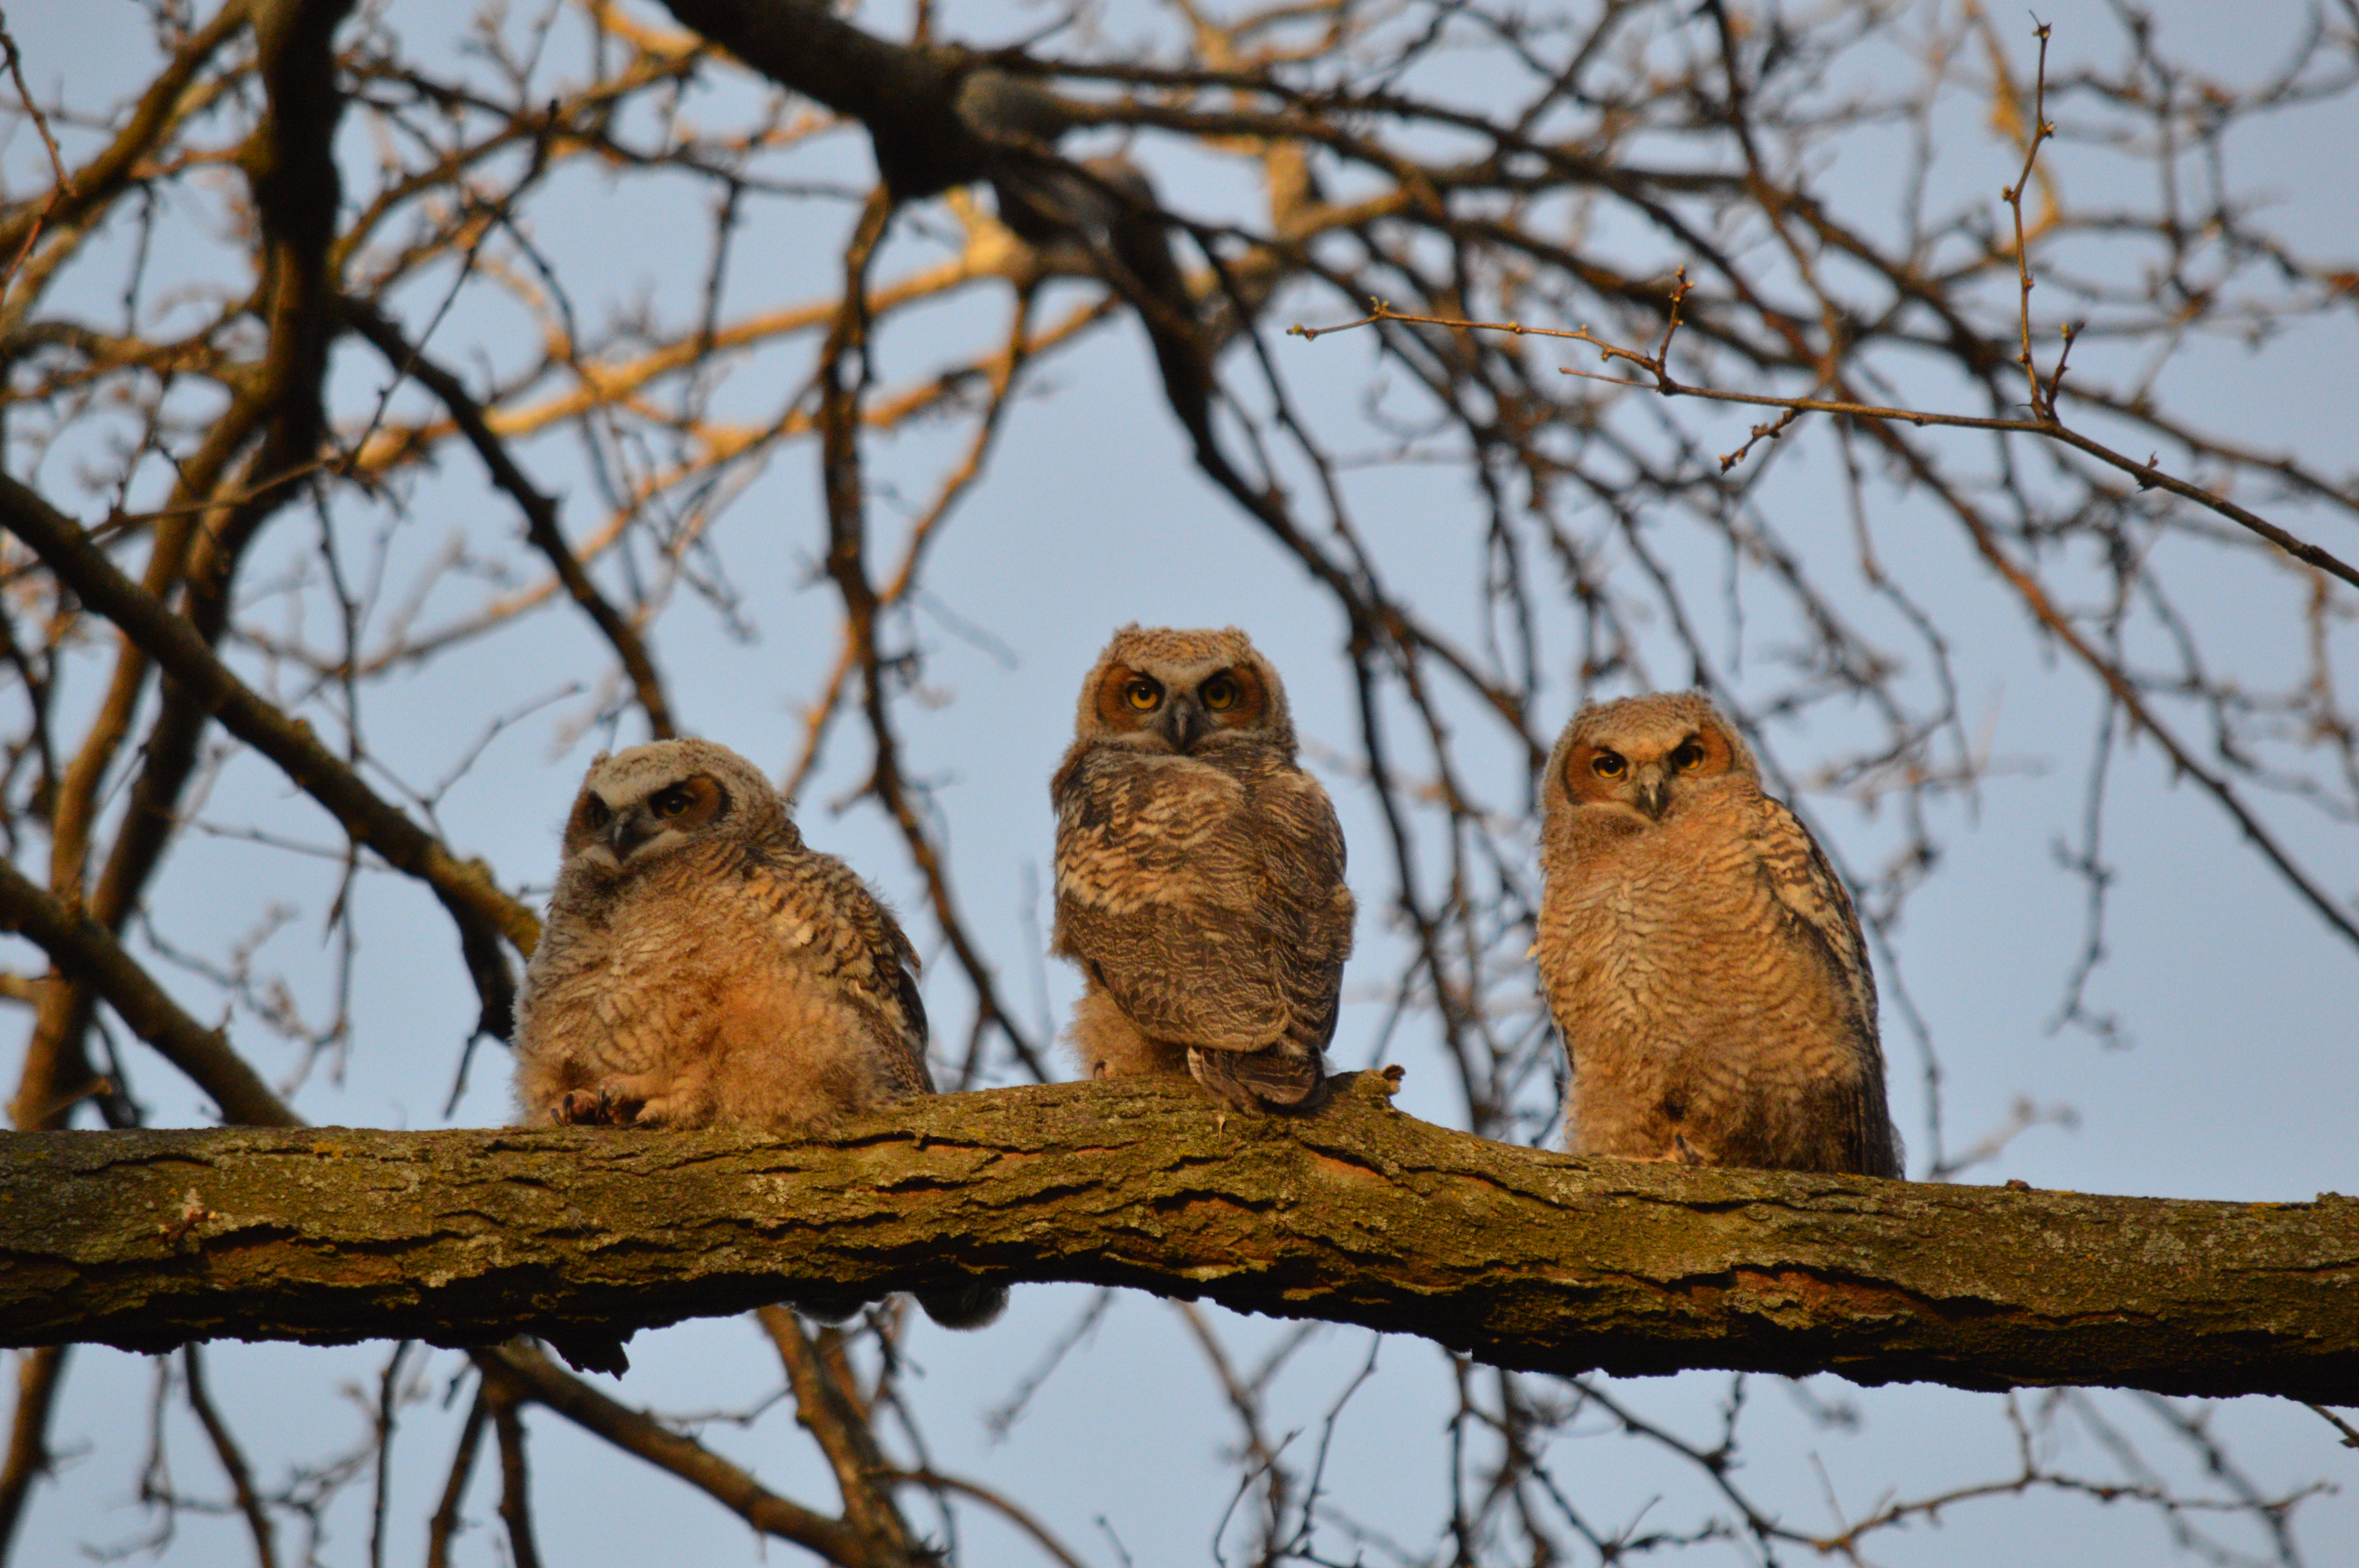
(1703, 963)
(1200, 873)
(701, 968)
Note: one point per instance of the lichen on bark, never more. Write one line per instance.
(1358, 1213)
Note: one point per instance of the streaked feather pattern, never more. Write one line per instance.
(1703, 963)
(1200, 877)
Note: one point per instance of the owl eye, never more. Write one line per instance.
(595, 812)
(1220, 693)
(1142, 694)
(1686, 756)
(1607, 765)
(672, 802)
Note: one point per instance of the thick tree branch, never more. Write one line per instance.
(292, 171)
(903, 96)
(1357, 1214)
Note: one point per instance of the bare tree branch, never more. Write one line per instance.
(529, 1376)
(465, 888)
(82, 948)
(1358, 1215)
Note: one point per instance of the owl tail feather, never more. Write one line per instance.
(965, 1306)
(962, 1306)
(1278, 1077)
(591, 1353)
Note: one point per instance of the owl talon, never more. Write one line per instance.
(578, 1108)
(1260, 1082)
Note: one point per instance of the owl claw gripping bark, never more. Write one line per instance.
(635, 1100)
(1199, 874)
(1260, 1080)
(579, 1107)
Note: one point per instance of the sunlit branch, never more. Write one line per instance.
(1356, 1215)
(539, 511)
(1663, 381)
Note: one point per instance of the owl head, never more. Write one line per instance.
(1159, 689)
(638, 805)
(1647, 753)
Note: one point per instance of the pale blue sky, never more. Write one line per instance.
(2242, 1083)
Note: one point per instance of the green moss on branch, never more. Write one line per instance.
(1357, 1214)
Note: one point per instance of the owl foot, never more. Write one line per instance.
(579, 1107)
(608, 1105)
(1260, 1081)
(651, 1100)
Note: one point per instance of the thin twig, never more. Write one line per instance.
(233, 1459)
(2148, 475)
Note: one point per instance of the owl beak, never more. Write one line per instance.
(628, 832)
(1655, 794)
(1184, 723)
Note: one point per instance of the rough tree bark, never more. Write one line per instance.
(1358, 1214)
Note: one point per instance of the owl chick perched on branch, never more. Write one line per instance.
(701, 968)
(1200, 873)
(1703, 963)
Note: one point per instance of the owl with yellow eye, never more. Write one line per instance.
(1200, 873)
(1702, 961)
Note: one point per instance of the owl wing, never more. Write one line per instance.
(1307, 914)
(1303, 853)
(862, 950)
(1208, 901)
(1821, 916)
(822, 919)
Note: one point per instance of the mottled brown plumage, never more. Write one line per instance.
(700, 967)
(1702, 961)
(1200, 873)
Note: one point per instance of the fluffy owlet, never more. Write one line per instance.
(1200, 873)
(701, 968)
(1704, 964)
